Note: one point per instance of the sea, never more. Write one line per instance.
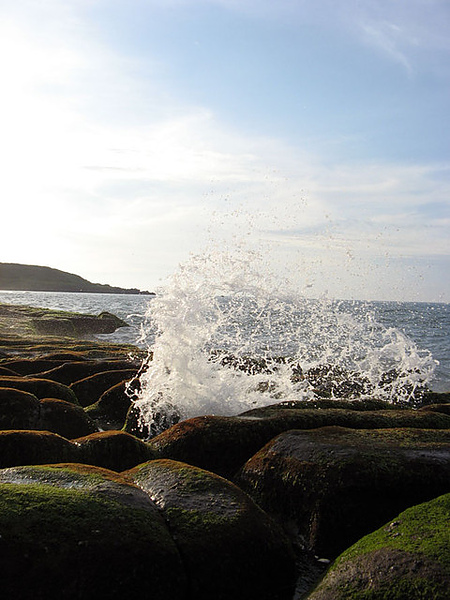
(223, 345)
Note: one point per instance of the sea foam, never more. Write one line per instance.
(226, 336)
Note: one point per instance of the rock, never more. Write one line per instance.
(436, 398)
(71, 372)
(18, 409)
(224, 444)
(41, 388)
(68, 420)
(89, 390)
(115, 450)
(218, 444)
(35, 448)
(67, 356)
(72, 324)
(440, 408)
(110, 411)
(71, 531)
(31, 366)
(229, 547)
(333, 485)
(5, 372)
(279, 408)
(406, 559)
(164, 418)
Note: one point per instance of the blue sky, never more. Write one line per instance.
(137, 132)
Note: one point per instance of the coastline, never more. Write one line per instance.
(195, 499)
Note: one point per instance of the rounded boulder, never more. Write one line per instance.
(333, 485)
(72, 531)
(406, 559)
(229, 546)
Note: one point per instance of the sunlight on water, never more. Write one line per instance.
(228, 337)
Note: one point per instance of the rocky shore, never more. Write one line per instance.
(326, 499)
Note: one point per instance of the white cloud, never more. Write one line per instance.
(100, 174)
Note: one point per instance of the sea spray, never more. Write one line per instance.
(227, 336)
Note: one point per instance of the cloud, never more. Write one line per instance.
(112, 169)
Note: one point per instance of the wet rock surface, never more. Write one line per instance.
(224, 444)
(219, 532)
(333, 485)
(80, 533)
(27, 320)
(407, 558)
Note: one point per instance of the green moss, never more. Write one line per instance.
(64, 475)
(399, 589)
(193, 521)
(47, 516)
(423, 529)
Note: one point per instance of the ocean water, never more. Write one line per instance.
(225, 339)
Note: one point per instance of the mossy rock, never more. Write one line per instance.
(110, 411)
(31, 366)
(28, 447)
(66, 419)
(430, 397)
(218, 444)
(71, 372)
(59, 323)
(5, 372)
(333, 485)
(278, 409)
(41, 388)
(115, 450)
(229, 547)
(304, 418)
(224, 444)
(75, 533)
(71, 356)
(406, 559)
(89, 390)
(163, 419)
(440, 408)
(18, 409)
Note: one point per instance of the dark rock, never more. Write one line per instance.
(115, 450)
(18, 409)
(440, 408)
(163, 418)
(67, 324)
(406, 559)
(31, 366)
(230, 548)
(110, 411)
(35, 448)
(223, 444)
(71, 531)
(71, 372)
(64, 418)
(218, 444)
(6, 372)
(334, 485)
(278, 409)
(436, 398)
(66, 356)
(41, 388)
(89, 390)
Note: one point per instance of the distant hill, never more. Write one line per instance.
(31, 278)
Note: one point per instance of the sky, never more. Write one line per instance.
(137, 133)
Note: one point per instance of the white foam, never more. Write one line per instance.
(222, 324)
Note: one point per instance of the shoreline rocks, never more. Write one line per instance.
(407, 558)
(231, 508)
(28, 321)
